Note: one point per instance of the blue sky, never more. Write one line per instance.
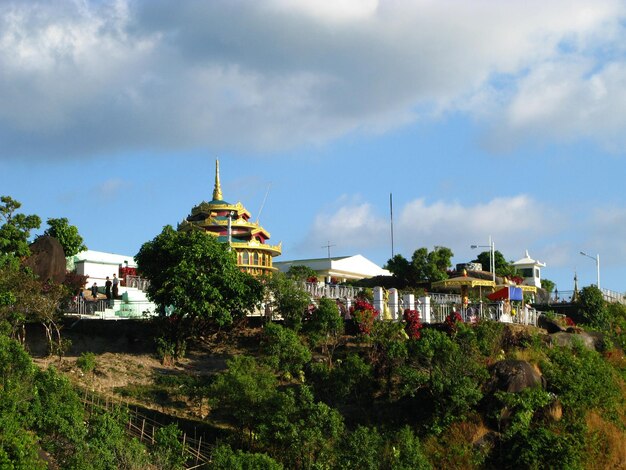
(482, 118)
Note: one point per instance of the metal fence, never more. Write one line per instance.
(110, 309)
(523, 315)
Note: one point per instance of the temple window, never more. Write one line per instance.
(245, 258)
(256, 259)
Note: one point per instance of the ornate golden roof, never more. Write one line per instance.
(215, 218)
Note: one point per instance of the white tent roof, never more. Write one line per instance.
(528, 261)
(352, 267)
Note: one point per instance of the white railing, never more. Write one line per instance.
(137, 282)
(331, 291)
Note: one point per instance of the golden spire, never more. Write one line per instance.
(217, 190)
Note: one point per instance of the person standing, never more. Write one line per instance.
(94, 291)
(107, 290)
(115, 285)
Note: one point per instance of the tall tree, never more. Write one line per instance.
(424, 265)
(67, 235)
(15, 231)
(198, 275)
(503, 267)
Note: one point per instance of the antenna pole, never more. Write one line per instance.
(391, 214)
(263, 203)
(328, 245)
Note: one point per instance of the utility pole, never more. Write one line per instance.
(328, 245)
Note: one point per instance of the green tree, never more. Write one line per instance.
(224, 458)
(404, 451)
(503, 267)
(452, 376)
(26, 299)
(198, 276)
(304, 433)
(67, 235)
(593, 307)
(245, 392)
(424, 266)
(58, 415)
(548, 285)
(15, 231)
(168, 450)
(301, 273)
(283, 349)
(402, 270)
(288, 299)
(325, 327)
(362, 449)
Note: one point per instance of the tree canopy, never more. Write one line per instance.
(198, 276)
(503, 267)
(15, 231)
(424, 266)
(67, 235)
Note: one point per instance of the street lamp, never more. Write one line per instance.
(492, 258)
(597, 260)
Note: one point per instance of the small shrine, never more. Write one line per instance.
(530, 270)
(230, 223)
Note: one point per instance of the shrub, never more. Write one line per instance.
(582, 379)
(86, 362)
(168, 450)
(362, 449)
(283, 349)
(364, 315)
(224, 458)
(413, 323)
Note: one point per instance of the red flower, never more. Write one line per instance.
(413, 323)
(364, 315)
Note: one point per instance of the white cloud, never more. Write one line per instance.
(349, 226)
(515, 223)
(111, 189)
(82, 78)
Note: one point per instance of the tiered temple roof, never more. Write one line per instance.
(246, 237)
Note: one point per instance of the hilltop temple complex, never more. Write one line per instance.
(230, 223)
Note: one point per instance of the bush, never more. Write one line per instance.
(452, 377)
(283, 349)
(582, 380)
(168, 450)
(86, 362)
(593, 307)
(362, 449)
(348, 381)
(224, 458)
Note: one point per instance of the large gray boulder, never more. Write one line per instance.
(47, 259)
(551, 326)
(568, 340)
(514, 376)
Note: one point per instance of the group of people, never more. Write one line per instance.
(110, 289)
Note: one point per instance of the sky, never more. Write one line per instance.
(482, 118)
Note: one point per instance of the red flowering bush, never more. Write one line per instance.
(364, 315)
(413, 323)
(312, 279)
(569, 321)
(452, 320)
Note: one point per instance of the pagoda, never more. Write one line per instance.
(230, 223)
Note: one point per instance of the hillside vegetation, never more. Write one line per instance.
(385, 395)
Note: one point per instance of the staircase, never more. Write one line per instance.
(133, 304)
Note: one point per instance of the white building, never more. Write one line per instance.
(341, 268)
(530, 270)
(97, 265)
